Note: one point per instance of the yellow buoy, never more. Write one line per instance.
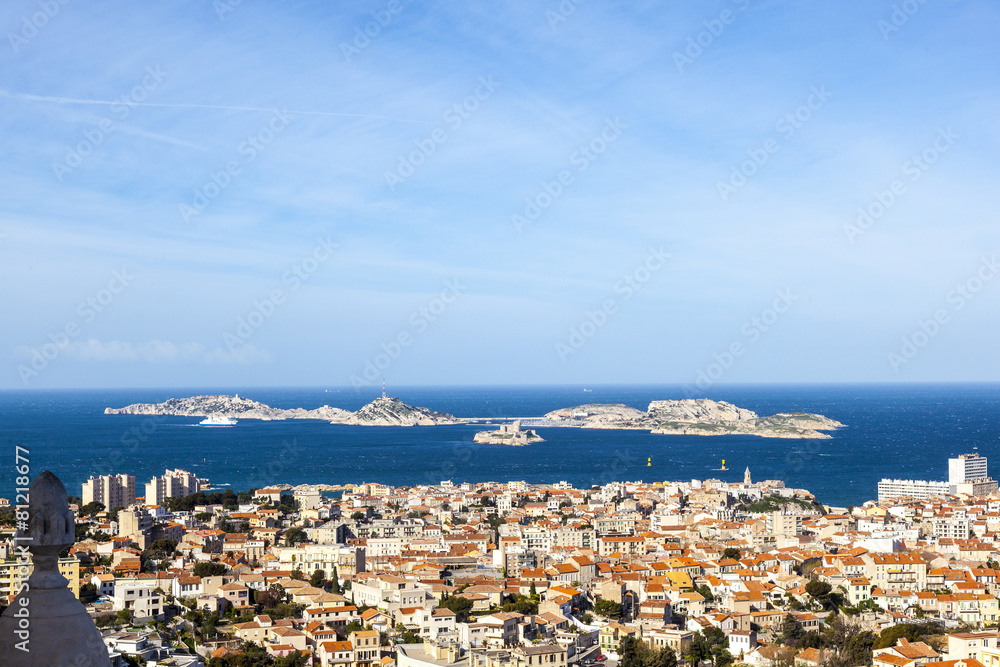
(723, 464)
(649, 461)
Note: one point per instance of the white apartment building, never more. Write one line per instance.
(966, 467)
(912, 488)
(349, 561)
(958, 528)
(173, 484)
(112, 491)
(788, 525)
(140, 596)
(390, 593)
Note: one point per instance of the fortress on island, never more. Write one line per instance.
(508, 434)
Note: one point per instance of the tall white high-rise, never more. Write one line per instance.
(173, 484)
(966, 467)
(112, 491)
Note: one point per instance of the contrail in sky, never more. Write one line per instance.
(73, 100)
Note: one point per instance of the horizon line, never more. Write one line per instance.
(349, 388)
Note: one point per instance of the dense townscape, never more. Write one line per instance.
(518, 575)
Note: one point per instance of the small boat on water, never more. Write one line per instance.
(217, 420)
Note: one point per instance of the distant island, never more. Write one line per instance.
(383, 411)
(699, 416)
(508, 434)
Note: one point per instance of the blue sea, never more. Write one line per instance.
(906, 431)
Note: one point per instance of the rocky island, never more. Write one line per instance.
(508, 434)
(699, 416)
(387, 411)
(383, 411)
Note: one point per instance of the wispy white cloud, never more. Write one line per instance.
(656, 185)
(73, 100)
(153, 352)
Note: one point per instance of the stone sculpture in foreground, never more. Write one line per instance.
(45, 624)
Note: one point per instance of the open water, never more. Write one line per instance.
(906, 431)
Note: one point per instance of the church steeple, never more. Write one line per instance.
(746, 476)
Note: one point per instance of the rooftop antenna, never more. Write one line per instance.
(383, 387)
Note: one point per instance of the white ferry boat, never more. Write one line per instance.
(217, 420)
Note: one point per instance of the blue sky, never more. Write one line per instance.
(256, 193)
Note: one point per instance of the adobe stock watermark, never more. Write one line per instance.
(956, 299)
(246, 152)
(899, 17)
(122, 108)
(786, 126)
(454, 117)
(594, 320)
(703, 39)
(914, 168)
(581, 158)
(130, 441)
(263, 309)
(363, 35)
(262, 475)
(30, 25)
(418, 322)
(623, 462)
(562, 12)
(751, 331)
(457, 462)
(224, 7)
(87, 311)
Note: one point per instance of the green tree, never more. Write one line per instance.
(909, 631)
(335, 581)
(732, 552)
(297, 575)
(91, 509)
(88, 593)
(710, 644)
(461, 606)
(706, 593)
(818, 589)
(791, 630)
(848, 643)
(317, 578)
(209, 569)
(522, 605)
(160, 550)
(608, 609)
(295, 536)
(629, 651)
(665, 657)
(532, 592)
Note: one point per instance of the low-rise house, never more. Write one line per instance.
(335, 616)
(904, 654)
(679, 641)
(186, 587)
(965, 645)
(611, 635)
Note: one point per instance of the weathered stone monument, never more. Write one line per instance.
(45, 624)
